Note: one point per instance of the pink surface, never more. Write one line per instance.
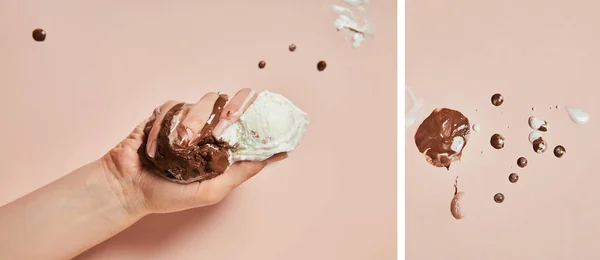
(105, 65)
(537, 54)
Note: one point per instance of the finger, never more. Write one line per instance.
(244, 170)
(234, 109)
(153, 135)
(214, 190)
(197, 116)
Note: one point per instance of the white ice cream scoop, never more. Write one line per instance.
(272, 124)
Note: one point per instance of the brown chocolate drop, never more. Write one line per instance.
(499, 197)
(522, 162)
(321, 65)
(497, 141)
(513, 177)
(262, 64)
(540, 145)
(292, 47)
(39, 35)
(559, 151)
(497, 99)
(442, 136)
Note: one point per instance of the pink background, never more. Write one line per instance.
(105, 65)
(537, 54)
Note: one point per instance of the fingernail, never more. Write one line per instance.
(220, 127)
(152, 150)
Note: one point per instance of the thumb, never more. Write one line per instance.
(241, 171)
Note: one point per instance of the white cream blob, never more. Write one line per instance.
(534, 135)
(537, 123)
(272, 124)
(578, 116)
(476, 127)
(357, 26)
(457, 144)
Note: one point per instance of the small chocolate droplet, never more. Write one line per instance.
(321, 65)
(262, 64)
(522, 162)
(39, 35)
(497, 141)
(497, 99)
(499, 197)
(292, 47)
(513, 177)
(559, 151)
(533, 109)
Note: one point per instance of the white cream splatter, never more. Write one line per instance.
(578, 116)
(357, 26)
(476, 127)
(413, 112)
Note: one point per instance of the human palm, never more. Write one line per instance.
(145, 191)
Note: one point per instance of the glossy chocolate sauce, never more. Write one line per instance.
(185, 161)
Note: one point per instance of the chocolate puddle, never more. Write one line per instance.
(442, 136)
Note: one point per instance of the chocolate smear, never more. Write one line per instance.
(181, 160)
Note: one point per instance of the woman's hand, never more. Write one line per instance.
(141, 191)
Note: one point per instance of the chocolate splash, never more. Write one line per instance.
(185, 161)
(442, 136)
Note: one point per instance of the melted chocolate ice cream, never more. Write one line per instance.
(442, 136)
(202, 158)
